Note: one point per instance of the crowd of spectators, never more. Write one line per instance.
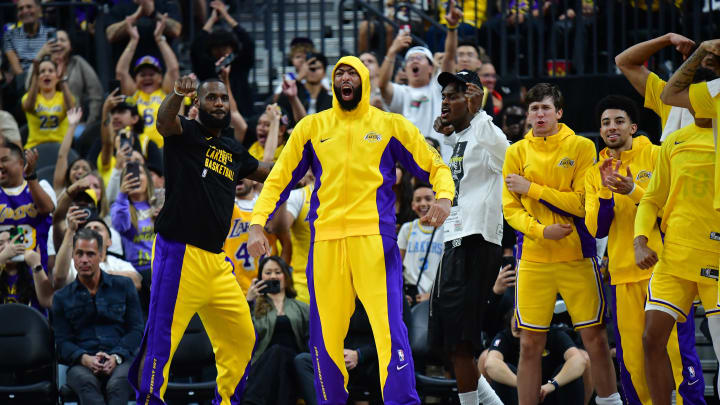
(81, 179)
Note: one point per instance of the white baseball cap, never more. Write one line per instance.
(422, 50)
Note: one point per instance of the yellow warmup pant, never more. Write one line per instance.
(188, 280)
(628, 312)
(369, 267)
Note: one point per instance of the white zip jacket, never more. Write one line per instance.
(476, 165)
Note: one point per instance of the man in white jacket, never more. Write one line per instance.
(472, 232)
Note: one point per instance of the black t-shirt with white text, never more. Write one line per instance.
(201, 172)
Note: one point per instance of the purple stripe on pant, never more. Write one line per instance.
(692, 388)
(167, 265)
(631, 396)
(400, 384)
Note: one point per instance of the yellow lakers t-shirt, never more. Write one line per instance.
(236, 248)
(47, 122)
(148, 105)
(257, 151)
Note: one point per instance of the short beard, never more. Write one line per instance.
(351, 104)
(209, 120)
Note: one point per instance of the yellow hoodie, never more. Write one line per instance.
(352, 155)
(556, 166)
(613, 215)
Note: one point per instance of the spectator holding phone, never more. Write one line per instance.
(147, 85)
(28, 203)
(65, 272)
(81, 77)
(22, 43)
(121, 127)
(312, 93)
(132, 216)
(46, 103)
(22, 277)
(282, 328)
(77, 193)
(209, 46)
(98, 326)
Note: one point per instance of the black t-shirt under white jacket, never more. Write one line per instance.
(476, 165)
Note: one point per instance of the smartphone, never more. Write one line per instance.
(271, 287)
(290, 76)
(125, 139)
(52, 36)
(114, 84)
(89, 211)
(225, 63)
(508, 260)
(15, 231)
(134, 169)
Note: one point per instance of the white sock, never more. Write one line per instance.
(468, 398)
(486, 395)
(714, 326)
(613, 399)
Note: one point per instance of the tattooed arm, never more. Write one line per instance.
(676, 91)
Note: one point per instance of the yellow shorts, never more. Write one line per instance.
(680, 275)
(578, 282)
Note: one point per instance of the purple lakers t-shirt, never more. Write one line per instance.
(137, 240)
(17, 209)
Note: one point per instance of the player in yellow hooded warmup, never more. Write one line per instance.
(352, 150)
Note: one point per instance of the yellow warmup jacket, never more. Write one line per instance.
(683, 185)
(556, 166)
(613, 215)
(352, 155)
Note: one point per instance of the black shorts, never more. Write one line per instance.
(460, 294)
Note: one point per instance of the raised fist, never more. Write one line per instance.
(185, 85)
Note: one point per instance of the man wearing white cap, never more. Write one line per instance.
(419, 101)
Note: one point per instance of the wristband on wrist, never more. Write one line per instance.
(178, 94)
(452, 27)
(33, 176)
(554, 383)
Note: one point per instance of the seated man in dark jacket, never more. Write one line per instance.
(98, 326)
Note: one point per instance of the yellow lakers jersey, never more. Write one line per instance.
(257, 151)
(236, 248)
(47, 122)
(300, 237)
(148, 105)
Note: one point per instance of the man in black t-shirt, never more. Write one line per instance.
(191, 274)
(563, 365)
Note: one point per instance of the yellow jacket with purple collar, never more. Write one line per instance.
(352, 155)
(613, 215)
(555, 165)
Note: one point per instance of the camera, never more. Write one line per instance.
(90, 212)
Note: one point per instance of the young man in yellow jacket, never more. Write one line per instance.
(352, 149)
(543, 200)
(613, 188)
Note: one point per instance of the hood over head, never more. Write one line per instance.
(364, 103)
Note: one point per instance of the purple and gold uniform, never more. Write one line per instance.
(613, 215)
(17, 209)
(190, 272)
(352, 226)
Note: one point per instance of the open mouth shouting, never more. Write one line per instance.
(444, 112)
(347, 91)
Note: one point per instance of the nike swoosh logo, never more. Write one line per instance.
(678, 143)
(401, 367)
(692, 383)
(326, 139)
